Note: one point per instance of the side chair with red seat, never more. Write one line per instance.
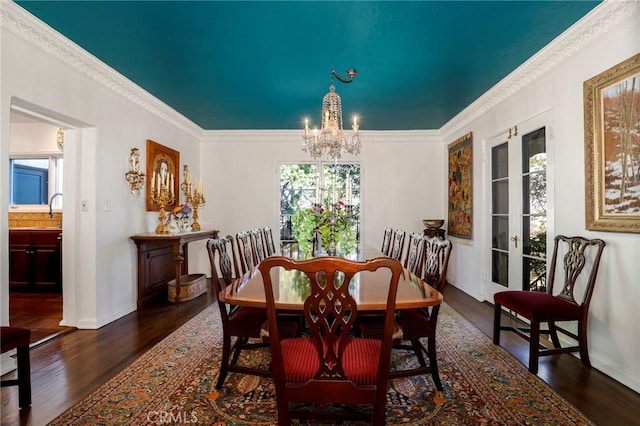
(419, 323)
(331, 365)
(577, 255)
(243, 323)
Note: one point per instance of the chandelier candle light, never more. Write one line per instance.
(331, 140)
(193, 195)
(162, 195)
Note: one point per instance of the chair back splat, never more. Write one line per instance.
(575, 261)
(257, 244)
(412, 260)
(246, 255)
(386, 241)
(330, 365)
(397, 247)
(268, 241)
(436, 253)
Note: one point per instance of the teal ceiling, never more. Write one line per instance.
(267, 64)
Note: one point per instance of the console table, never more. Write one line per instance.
(162, 258)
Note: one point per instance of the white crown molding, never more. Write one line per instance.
(607, 16)
(29, 30)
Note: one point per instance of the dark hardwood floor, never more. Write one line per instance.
(68, 368)
(39, 312)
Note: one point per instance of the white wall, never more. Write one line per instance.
(398, 188)
(614, 321)
(107, 115)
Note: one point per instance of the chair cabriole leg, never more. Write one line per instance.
(534, 346)
(497, 312)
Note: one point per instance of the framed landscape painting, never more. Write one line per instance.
(162, 162)
(612, 148)
(460, 216)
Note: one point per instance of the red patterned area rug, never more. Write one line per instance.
(173, 383)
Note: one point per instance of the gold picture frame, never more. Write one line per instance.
(161, 159)
(612, 148)
(460, 214)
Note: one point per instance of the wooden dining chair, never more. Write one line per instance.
(258, 245)
(420, 323)
(330, 365)
(241, 323)
(397, 247)
(387, 236)
(413, 258)
(579, 257)
(268, 241)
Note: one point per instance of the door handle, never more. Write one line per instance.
(515, 240)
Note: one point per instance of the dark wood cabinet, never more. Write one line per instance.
(162, 258)
(35, 260)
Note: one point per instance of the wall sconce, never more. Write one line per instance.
(134, 177)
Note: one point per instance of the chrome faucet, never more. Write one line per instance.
(51, 202)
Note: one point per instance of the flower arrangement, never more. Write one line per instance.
(306, 222)
(178, 219)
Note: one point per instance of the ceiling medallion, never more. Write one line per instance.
(330, 139)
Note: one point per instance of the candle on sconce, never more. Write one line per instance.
(153, 183)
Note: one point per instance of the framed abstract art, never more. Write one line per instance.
(460, 215)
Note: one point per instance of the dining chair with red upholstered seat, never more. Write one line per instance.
(331, 365)
(575, 262)
(243, 323)
(420, 323)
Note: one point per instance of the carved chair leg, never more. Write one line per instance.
(582, 341)
(418, 349)
(224, 363)
(553, 333)
(534, 346)
(24, 376)
(433, 363)
(497, 314)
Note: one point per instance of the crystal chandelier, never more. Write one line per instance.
(330, 139)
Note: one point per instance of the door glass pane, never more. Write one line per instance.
(500, 200)
(303, 185)
(500, 268)
(534, 207)
(500, 232)
(500, 161)
(297, 191)
(500, 214)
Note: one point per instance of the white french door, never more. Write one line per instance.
(518, 228)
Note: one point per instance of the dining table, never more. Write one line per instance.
(369, 289)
